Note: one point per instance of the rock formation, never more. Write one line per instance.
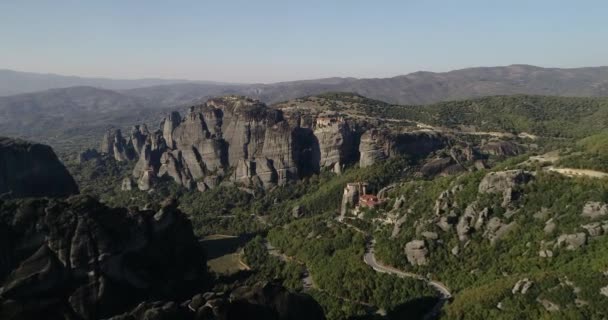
(594, 209)
(115, 145)
(500, 182)
(30, 169)
(223, 133)
(78, 257)
(377, 145)
(416, 252)
(244, 141)
(501, 148)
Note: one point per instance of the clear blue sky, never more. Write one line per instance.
(267, 41)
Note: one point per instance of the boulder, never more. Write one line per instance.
(571, 241)
(548, 305)
(604, 291)
(522, 286)
(550, 226)
(594, 209)
(416, 252)
(430, 235)
(594, 229)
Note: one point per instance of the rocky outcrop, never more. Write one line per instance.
(30, 169)
(223, 133)
(115, 145)
(501, 148)
(496, 229)
(416, 252)
(78, 257)
(139, 135)
(522, 286)
(244, 141)
(436, 166)
(336, 141)
(373, 148)
(501, 182)
(571, 241)
(378, 145)
(594, 209)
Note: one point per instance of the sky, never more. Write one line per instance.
(280, 40)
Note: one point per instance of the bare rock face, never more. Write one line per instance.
(169, 124)
(30, 169)
(139, 135)
(229, 132)
(373, 148)
(436, 166)
(335, 138)
(115, 145)
(79, 257)
(378, 145)
(500, 182)
(416, 252)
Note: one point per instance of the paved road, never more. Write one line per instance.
(370, 259)
(444, 292)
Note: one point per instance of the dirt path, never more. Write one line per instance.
(572, 172)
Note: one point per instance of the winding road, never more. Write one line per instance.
(444, 292)
(370, 259)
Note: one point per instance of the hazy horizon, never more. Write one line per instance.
(278, 41)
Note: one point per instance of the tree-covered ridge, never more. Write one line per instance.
(483, 273)
(565, 117)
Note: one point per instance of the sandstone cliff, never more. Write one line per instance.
(32, 170)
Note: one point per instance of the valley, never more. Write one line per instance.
(379, 211)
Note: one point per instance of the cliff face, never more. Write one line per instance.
(241, 140)
(222, 134)
(32, 170)
(115, 145)
(377, 145)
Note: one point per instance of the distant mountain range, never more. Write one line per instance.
(16, 82)
(87, 106)
(414, 88)
(71, 117)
